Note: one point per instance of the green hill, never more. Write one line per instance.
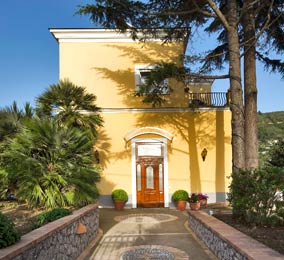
(270, 129)
(270, 126)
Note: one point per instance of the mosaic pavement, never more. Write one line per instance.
(149, 237)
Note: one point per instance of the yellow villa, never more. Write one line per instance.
(149, 152)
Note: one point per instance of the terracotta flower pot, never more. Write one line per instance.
(181, 204)
(119, 204)
(203, 203)
(195, 205)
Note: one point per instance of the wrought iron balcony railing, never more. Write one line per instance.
(212, 99)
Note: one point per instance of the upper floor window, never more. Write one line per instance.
(142, 73)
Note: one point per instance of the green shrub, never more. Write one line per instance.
(8, 234)
(280, 213)
(274, 221)
(276, 154)
(253, 196)
(50, 216)
(180, 195)
(119, 194)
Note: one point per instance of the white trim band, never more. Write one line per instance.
(160, 110)
(97, 35)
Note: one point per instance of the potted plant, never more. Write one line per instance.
(180, 197)
(203, 199)
(194, 202)
(119, 197)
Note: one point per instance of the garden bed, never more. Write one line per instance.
(22, 216)
(272, 237)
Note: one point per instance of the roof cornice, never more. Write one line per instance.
(95, 35)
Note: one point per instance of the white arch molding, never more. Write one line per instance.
(148, 130)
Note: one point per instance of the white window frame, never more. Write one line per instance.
(140, 80)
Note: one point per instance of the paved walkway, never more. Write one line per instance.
(159, 234)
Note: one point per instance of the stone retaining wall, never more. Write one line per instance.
(63, 239)
(226, 242)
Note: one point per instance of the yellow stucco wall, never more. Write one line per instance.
(106, 69)
(193, 131)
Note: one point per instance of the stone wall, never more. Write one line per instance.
(63, 239)
(226, 242)
(217, 245)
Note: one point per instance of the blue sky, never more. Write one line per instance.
(29, 53)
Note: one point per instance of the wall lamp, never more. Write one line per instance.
(204, 154)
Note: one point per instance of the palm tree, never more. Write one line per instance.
(52, 165)
(4, 184)
(70, 105)
(11, 118)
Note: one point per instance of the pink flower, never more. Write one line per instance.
(202, 196)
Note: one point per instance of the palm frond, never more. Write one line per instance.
(46, 161)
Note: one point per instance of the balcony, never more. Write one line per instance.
(212, 99)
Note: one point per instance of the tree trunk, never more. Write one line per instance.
(236, 105)
(251, 141)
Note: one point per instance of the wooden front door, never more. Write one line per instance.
(150, 180)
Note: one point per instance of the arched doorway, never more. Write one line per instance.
(149, 158)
